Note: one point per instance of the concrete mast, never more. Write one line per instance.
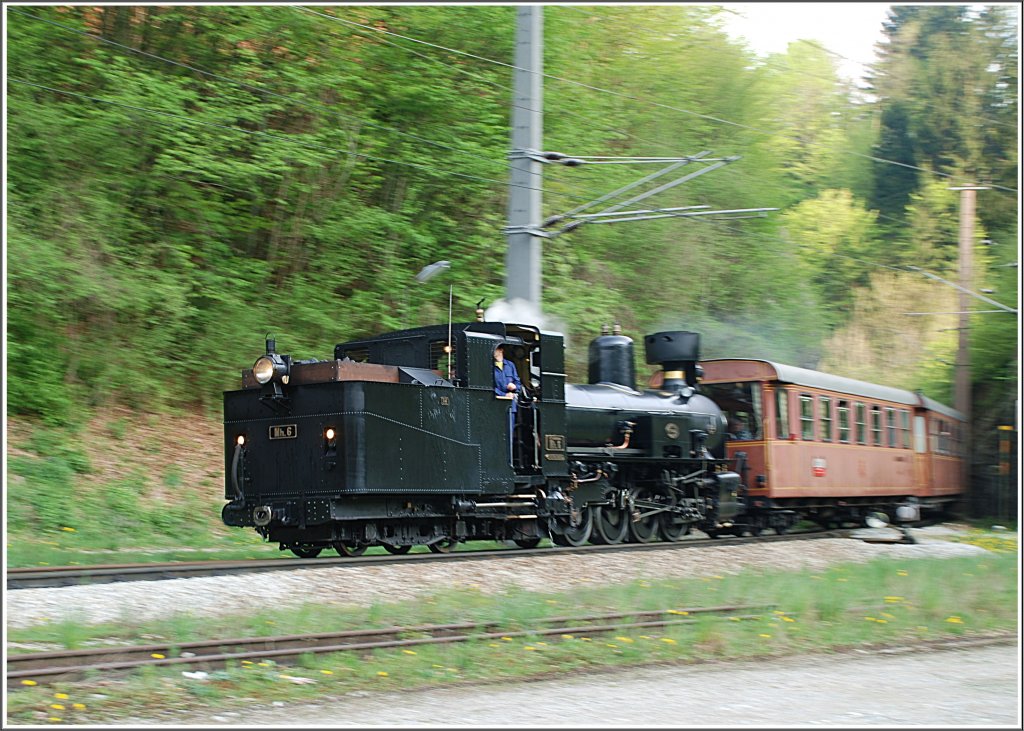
(523, 254)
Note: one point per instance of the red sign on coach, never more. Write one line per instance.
(818, 467)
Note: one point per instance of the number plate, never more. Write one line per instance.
(284, 431)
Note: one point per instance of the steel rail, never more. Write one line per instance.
(65, 664)
(60, 576)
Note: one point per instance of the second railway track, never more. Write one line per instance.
(45, 667)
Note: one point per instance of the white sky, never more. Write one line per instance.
(848, 29)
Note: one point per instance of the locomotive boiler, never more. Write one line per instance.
(401, 440)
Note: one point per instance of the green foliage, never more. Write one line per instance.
(285, 172)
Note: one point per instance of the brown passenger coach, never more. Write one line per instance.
(829, 447)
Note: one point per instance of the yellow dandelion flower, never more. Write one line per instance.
(61, 696)
(382, 673)
(78, 706)
(55, 719)
(264, 664)
(893, 599)
(57, 706)
(882, 621)
(68, 529)
(676, 611)
(506, 639)
(327, 672)
(157, 656)
(609, 644)
(902, 573)
(586, 639)
(645, 637)
(247, 662)
(568, 637)
(489, 644)
(889, 616)
(551, 601)
(627, 640)
(954, 620)
(29, 682)
(788, 619)
(767, 637)
(668, 640)
(529, 648)
(542, 644)
(409, 652)
(870, 619)
(776, 611)
(441, 666)
(734, 619)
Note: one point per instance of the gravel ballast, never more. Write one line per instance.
(362, 586)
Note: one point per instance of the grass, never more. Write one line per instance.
(847, 606)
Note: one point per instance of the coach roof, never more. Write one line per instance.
(825, 381)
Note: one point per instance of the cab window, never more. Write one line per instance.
(741, 403)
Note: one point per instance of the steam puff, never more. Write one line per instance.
(523, 312)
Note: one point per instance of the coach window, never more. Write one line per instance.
(890, 426)
(825, 410)
(876, 426)
(782, 413)
(806, 416)
(843, 411)
(943, 438)
(862, 426)
(905, 428)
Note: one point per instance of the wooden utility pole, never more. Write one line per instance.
(962, 383)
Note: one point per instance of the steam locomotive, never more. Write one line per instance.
(401, 440)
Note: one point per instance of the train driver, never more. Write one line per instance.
(507, 385)
(738, 430)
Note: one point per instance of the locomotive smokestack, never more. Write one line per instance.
(677, 353)
(610, 359)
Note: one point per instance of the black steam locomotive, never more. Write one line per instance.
(401, 440)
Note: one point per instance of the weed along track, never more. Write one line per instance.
(58, 576)
(45, 667)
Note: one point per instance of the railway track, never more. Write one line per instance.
(58, 576)
(62, 665)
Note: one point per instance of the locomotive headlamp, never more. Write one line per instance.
(263, 369)
(271, 367)
(329, 434)
(240, 440)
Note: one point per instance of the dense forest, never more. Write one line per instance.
(183, 180)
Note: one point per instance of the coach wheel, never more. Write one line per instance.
(645, 526)
(397, 550)
(445, 545)
(611, 525)
(349, 549)
(306, 552)
(527, 542)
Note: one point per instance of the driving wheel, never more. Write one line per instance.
(611, 525)
(349, 549)
(445, 545)
(576, 535)
(645, 523)
(306, 551)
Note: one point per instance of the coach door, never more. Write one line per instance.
(922, 464)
